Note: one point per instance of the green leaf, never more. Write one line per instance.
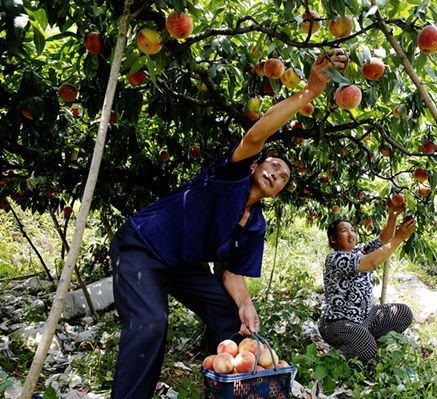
(321, 372)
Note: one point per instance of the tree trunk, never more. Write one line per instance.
(64, 282)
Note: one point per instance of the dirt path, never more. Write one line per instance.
(410, 290)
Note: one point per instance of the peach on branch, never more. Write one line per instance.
(113, 117)
(295, 124)
(368, 221)
(194, 151)
(259, 68)
(427, 40)
(149, 41)
(290, 78)
(268, 89)
(398, 200)
(253, 108)
(163, 155)
(274, 68)
(93, 42)
(76, 111)
(137, 78)
(26, 113)
(252, 115)
(385, 152)
(68, 210)
(420, 174)
(67, 92)
(254, 104)
(373, 68)
(312, 21)
(307, 109)
(341, 26)
(428, 147)
(423, 190)
(335, 209)
(180, 25)
(348, 97)
(400, 112)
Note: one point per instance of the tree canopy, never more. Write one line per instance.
(181, 104)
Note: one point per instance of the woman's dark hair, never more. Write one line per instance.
(332, 229)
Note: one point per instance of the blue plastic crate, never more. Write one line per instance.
(272, 383)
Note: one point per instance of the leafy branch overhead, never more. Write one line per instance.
(195, 75)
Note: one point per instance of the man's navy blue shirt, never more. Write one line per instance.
(199, 222)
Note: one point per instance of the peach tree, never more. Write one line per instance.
(184, 92)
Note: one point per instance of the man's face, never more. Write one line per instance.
(271, 176)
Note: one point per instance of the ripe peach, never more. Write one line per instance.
(194, 152)
(373, 69)
(229, 346)
(341, 26)
(400, 112)
(274, 68)
(67, 92)
(385, 152)
(307, 109)
(26, 113)
(268, 89)
(282, 363)
(313, 20)
(137, 78)
(368, 221)
(259, 68)
(180, 25)
(245, 362)
(113, 117)
(428, 147)
(93, 42)
(223, 363)
(348, 97)
(296, 125)
(427, 40)
(290, 78)
(68, 210)
(335, 209)
(252, 115)
(420, 174)
(149, 41)
(398, 200)
(424, 191)
(208, 362)
(265, 358)
(248, 345)
(163, 155)
(76, 111)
